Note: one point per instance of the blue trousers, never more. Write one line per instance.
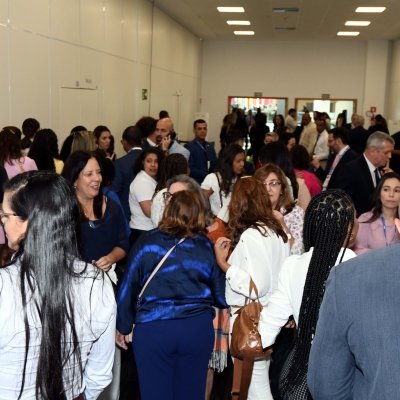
(172, 357)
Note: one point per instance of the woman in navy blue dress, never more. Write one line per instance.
(173, 336)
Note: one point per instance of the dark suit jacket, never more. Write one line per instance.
(322, 173)
(348, 156)
(358, 139)
(356, 180)
(123, 177)
(355, 352)
(199, 156)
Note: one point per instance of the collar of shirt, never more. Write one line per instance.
(134, 148)
(341, 152)
(371, 166)
(152, 143)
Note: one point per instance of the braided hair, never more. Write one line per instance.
(328, 223)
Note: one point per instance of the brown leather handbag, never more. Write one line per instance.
(246, 344)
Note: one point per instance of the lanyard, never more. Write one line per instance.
(385, 231)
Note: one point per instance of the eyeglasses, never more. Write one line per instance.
(272, 184)
(166, 195)
(4, 216)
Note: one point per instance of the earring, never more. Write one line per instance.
(74, 187)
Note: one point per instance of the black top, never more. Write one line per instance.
(99, 237)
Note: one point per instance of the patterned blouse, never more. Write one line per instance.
(295, 220)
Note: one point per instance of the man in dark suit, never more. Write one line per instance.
(131, 142)
(339, 138)
(355, 353)
(360, 176)
(203, 158)
(358, 136)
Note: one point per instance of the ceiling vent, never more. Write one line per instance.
(285, 28)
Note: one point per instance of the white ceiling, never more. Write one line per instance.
(316, 19)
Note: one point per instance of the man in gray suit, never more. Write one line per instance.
(356, 350)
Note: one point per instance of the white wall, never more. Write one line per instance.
(281, 69)
(70, 62)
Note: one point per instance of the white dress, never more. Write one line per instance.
(259, 257)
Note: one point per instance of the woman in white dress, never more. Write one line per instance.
(260, 245)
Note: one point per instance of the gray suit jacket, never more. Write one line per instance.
(356, 350)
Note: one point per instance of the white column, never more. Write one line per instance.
(394, 85)
(376, 77)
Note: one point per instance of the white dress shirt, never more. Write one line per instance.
(372, 169)
(258, 257)
(290, 123)
(95, 313)
(321, 149)
(308, 137)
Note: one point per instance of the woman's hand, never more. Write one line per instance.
(222, 247)
(122, 340)
(104, 263)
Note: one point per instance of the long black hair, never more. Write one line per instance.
(46, 257)
(328, 223)
(224, 168)
(139, 164)
(376, 200)
(44, 149)
(74, 165)
(172, 165)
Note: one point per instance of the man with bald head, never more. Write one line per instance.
(166, 137)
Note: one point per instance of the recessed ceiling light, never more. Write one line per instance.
(357, 23)
(238, 22)
(348, 33)
(370, 9)
(285, 9)
(231, 9)
(244, 33)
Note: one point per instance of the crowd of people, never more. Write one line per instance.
(136, 266)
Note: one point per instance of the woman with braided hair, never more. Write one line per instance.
(328, 229)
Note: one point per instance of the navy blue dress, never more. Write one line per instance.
(173, 337)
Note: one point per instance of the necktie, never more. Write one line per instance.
(335, 162)
(315, 145)
(328, 177)
(377, 177)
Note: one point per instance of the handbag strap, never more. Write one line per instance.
(242, 372)
(159, 265)
(252, 286)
